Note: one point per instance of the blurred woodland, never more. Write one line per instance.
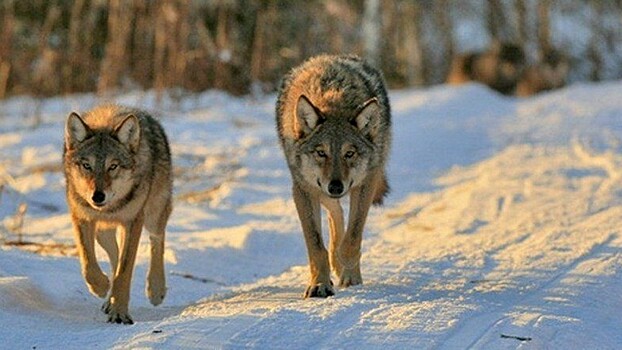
(50, 47)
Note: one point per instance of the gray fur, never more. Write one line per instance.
(549, 73)
(117, 166)
(334, 124)
(499, 67)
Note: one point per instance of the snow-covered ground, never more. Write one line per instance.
(503, 230)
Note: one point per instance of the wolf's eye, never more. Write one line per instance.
(321, 153)
(112, 167)
(349, 154)
(87, 166)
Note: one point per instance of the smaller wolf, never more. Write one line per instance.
(333, 120)
(549, 73)
(499, 67)
(117, 166)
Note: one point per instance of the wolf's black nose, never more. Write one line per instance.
(99, 197)
(335, 187)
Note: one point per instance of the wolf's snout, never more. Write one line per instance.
(335, 187)
(98, 197)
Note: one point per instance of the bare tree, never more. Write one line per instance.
(119, 20)
(495, 21)
(444, 21)
(99, 45)
(7, 25)
(266, 15)
(544, 25)
(77, 53)
(413, 60)
(48, 57)
(372, 29)
(595, 46)
(521, 23)
(146, 20)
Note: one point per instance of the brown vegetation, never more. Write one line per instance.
(57, 47)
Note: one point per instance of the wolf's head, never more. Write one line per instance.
(99, 163)
(510, 62)
(554, 69)
(336, 153)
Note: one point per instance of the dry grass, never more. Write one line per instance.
(48, 249)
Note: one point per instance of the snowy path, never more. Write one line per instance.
(502, 231)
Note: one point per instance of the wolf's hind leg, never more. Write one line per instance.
(155, 223)
(382, 189)
(336, 228)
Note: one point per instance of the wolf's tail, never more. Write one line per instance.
(382, 189)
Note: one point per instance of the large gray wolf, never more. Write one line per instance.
(499, 67)
(117, 166)
(333, 121)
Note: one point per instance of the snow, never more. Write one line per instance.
(502, 230)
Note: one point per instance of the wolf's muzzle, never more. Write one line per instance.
(335, 187)
(98, 198)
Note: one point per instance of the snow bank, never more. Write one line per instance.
(502, 230)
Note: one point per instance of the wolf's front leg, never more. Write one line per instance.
(96, 280)
(308, 207)
(350, 249)
(336, 230)
(117, 305)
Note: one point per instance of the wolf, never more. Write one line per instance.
(499, 67)
(334, 125)
(549, 73)
(117, 166)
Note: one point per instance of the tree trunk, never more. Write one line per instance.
(414, 55)
(7, 26)
(44, 78)
(496, 21)
(443, 15)
(266, 15)
(544, 26)
(521, 23)
(75, 52)
(372, 28)
(119, 20)
(597, 42)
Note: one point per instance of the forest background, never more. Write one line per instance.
(244, 46)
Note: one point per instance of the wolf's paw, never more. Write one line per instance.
(350, 278)
(155, 291)
(98, 284)
(120, 317)
(106, 307)
(115, 315)
(320, 290)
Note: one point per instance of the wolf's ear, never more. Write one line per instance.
(307, 118)
(76, 130)
(128, 132)
(368, 119)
